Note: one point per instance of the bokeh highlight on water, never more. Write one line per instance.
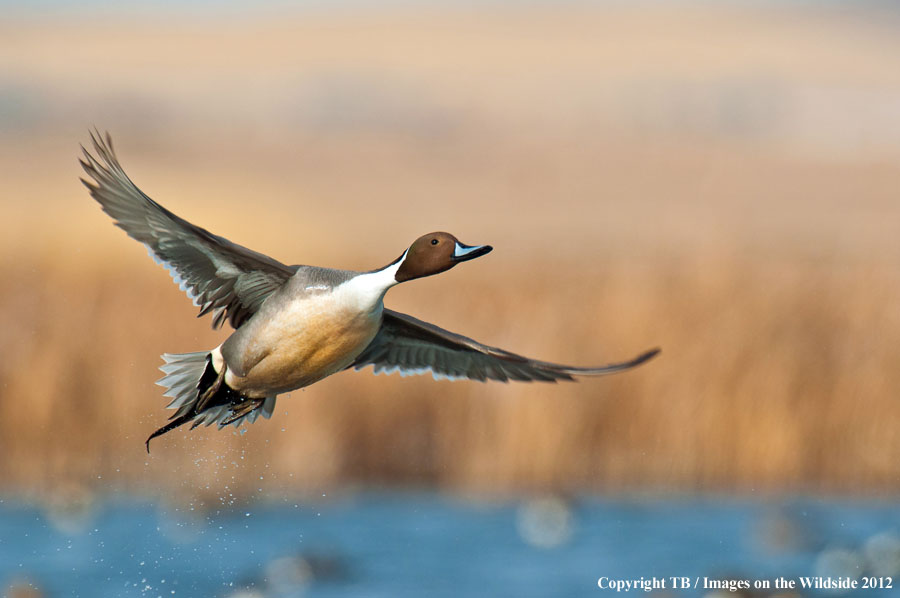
(415, 544)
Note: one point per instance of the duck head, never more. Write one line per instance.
(435, 253)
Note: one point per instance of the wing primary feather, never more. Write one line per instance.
(414, 347)
(219, 276)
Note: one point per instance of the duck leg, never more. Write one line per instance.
(239, 410)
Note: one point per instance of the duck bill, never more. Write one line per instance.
(463, 253)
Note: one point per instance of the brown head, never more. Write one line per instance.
(435, 253)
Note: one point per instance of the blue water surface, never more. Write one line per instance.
(420, 544)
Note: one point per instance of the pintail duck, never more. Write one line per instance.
(295, 325)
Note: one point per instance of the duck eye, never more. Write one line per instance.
(434, 241)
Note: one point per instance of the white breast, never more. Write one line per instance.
(311, 336)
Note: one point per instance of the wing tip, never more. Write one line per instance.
(625, 365)
(647, 355)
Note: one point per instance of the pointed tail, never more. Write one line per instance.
(184, 375)
(188, 378)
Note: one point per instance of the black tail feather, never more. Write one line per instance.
(178, 421)
(210, 392)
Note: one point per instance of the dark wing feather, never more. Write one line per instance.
(411, 346)
(219, 276)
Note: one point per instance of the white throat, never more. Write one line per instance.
(368, 289)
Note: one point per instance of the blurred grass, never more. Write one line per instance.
(719, 182)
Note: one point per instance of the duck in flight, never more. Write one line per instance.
(295, 325)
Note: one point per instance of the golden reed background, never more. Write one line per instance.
(723, 183)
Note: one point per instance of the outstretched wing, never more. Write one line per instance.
(219, 276)
(410, 346)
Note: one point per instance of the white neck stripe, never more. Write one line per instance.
(393, 268)
(375, 284)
